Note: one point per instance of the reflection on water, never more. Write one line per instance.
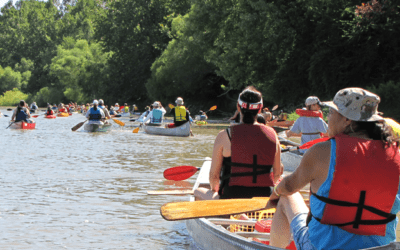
(77, 190)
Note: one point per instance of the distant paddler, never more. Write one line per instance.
(145, 113)
(156, 116)
(49, 111)
(181, 115)
(61, 108)
(95, 114)
(21, 113)
(33, 107)
(105, 110)
(310, 124)
(126, 108)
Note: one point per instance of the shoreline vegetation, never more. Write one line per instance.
(54, 52)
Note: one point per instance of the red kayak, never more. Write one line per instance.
(50, 116)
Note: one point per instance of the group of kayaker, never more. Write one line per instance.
(353, 175)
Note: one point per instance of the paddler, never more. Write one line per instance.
(246, 160)
(21, 113)
(33, 107)
(354, 182)
(126, 108)
(156, 116)
(145, 114)
(61, 108)
(95, 114)
(116, 107)
(49, 111)
(181, 115)
(310, 123)
(105, 110)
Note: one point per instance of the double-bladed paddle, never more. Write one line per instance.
(180, 173)
(212, 108)
(77, 126)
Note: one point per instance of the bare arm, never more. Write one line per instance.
(313, 169)
(277, 168)
(220, 147)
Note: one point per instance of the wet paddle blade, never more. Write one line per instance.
(171, 106)
(211, 208)
(180, 173)
(136, 130)
(77, 126)
(119, 122)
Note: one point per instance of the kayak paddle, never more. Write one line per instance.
(77, 126)
(307, 145)
(136, 130)
(180, 173)
(171, 106)
(212, 108)
(119, 122)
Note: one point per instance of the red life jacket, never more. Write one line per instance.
(364, 186)
(309, 113)
(253, 150)
(50, 112)
(63, 110)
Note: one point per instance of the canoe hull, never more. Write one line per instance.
(183, 130)
(97, 127)
(23, 125)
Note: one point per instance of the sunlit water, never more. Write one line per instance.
(75, 190)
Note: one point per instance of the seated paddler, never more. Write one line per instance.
(105, 110)
(95, 114)
(246, 159)
(353, 178)
(180, 113)
(311, 123)
(156, 116)
(21, 113)
(49, 111)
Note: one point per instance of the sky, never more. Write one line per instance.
(3, 2)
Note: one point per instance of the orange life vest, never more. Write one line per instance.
(309, 113)
(364, 186)
(253, 150)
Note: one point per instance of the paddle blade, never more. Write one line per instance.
(136, 130)
(171, 106)
(309, 144)
(180, 173)
(77, 126)
(211, 208)
(275, 108)
(35, 116)
(119, 122)
(213, 107)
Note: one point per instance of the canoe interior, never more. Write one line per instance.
(97, 127)
(183, 130)
(209, 235)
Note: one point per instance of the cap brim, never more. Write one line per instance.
(329, 104)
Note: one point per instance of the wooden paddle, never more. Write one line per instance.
(77, 126)
(119, 122)
(180, 173)
(211, 208)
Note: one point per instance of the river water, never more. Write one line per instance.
(75, 190)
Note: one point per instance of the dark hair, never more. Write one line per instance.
(261, 119)
(250, 95)
(20, 106)
(379, 130)
(95, 106)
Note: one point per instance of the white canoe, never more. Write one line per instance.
(97, 127)
(183, 130)
(212, 233)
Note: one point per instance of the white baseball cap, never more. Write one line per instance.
(312, 100)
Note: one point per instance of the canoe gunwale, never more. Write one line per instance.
(182, 131)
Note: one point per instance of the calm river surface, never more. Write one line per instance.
(75, 190)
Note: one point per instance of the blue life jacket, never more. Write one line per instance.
(21, 115)
(94, 115)
(157, 116)
(102, 107)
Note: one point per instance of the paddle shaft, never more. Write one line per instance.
(77, 126)
(10, 125)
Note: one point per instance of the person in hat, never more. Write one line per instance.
(126, 108)
(239, 150)
(21, 113)
(116, 107)
(310, 124)
(353, 178)
(95, 115)
(181, 115)
(105, 110)
(156, 116)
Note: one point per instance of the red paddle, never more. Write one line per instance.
(307, 145)
(180, 173)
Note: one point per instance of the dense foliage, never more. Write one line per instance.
(205, 51)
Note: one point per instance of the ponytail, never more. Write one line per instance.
(250, 103)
